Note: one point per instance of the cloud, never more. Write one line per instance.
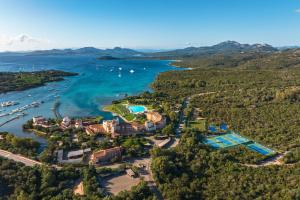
(22, 42)
(298, 10)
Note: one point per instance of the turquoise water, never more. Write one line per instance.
(136, 109)
(99, 83)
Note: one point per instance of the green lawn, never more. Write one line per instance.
(121, 110)
(199, 124)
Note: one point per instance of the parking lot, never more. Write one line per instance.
(118, 183)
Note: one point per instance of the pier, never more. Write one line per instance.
(56, 110)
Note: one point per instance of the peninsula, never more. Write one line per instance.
(17, 81)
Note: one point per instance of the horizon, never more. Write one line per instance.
(150, 25)
(145, 50)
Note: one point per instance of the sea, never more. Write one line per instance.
(98, 83)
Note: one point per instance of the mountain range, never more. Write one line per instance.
(224, 48)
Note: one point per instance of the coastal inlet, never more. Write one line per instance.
(99, 83)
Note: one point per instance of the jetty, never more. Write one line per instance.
(55, 110)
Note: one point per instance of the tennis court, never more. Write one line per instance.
(260, 149)
(232, 139)
(227, 140)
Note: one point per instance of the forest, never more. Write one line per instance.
(258, 98)
(18, 182)
(195, 171)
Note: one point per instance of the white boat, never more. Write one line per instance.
(120, 68)
(131, 71)
(120, 75)
(8, 103)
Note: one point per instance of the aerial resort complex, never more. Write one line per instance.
(150, 100)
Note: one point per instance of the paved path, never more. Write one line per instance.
(19, 158)
(276, 160)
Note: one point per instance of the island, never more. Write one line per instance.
(18, 81)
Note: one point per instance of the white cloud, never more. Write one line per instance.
(22, 42)
(298, 10)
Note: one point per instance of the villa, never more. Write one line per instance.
(106, 155)
(40, 121)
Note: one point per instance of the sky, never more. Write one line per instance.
(146, 24)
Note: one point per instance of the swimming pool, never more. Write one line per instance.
(137, 109)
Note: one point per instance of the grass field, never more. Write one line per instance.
(198, 124)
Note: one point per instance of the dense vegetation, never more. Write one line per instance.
(24, 146)
(15, 81)
(259, 98)
(18, 182)
(260, 104)
(26, 183)
(195, 171)
(245, 60)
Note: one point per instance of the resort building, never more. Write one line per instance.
(95, 129)
(72, 157)
(66, 122)
(78, 153)
(106, 155)
(40, 121)
(158, 120)
(111, 126)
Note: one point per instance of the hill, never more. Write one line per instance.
(224, 48)
(247, 60)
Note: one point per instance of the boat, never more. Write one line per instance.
(8, 103)
(131, 71)
(34, 104)
(120, 75)
(120, 68)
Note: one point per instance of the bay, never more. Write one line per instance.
(99, 83)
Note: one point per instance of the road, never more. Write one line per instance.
(182, 118)
(19, 158)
